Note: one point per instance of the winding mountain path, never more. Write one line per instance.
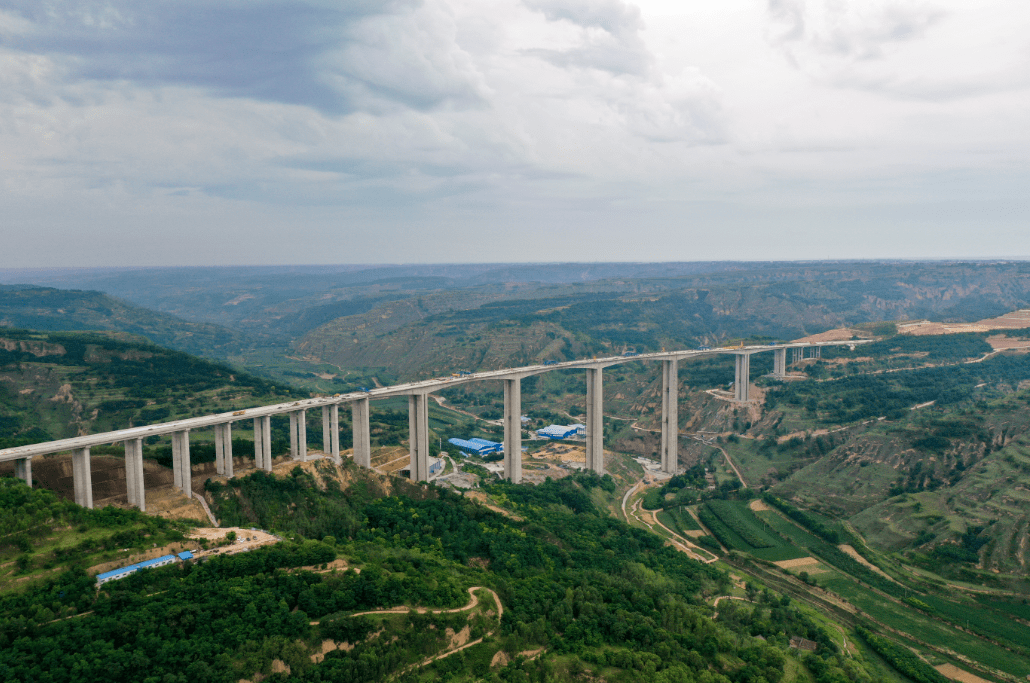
(715, 603)
(677, 541)
(473, 601)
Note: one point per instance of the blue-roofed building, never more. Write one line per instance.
(492, 445)
(119, 573)
(157, 562)
(122, 572)
(470, 446)
(558, 432)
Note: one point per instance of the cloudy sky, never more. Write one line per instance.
(361, 131)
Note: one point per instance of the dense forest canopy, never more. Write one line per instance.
(573, 580)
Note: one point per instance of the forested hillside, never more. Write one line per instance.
(583, 596)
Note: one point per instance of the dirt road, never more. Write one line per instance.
(473, 601)
(730, 462)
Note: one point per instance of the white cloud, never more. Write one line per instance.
(609, 35)
(575, 117)
(928, 49)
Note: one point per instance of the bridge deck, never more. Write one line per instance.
(421, 387)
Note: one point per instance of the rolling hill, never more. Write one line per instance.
(59, 384)
(48, 309)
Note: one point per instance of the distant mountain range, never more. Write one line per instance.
(425, 319)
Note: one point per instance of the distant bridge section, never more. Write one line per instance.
(418, 421)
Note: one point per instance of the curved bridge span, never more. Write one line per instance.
(418, 421)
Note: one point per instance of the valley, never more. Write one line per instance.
(872, 504)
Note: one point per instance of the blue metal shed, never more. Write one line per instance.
(557, 432)
(470, 446)
(493, 445)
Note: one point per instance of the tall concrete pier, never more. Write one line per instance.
(223, 449)
(780, 363)
(742, 377)
(23, 470)
(83, 477)
(134, 473)
(331, 432)
(360, 431)
(263, 443)
(299, 435)
(595, 420)
(182, 471)
(670, 416)
(513, 429)
(418, 436)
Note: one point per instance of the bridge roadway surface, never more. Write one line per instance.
(422, 387)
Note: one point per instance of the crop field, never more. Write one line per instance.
(925, 628)
(783, 526)
(1017, 609)
(737, 516)
(1003, 641)
(981, 620)
(684, 519)
(726, 535)
(680, 521)
(669, 520)
(780, 553)
(736, 526)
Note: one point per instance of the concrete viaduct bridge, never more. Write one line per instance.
(418, 421)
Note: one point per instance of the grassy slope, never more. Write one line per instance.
(40, 535)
